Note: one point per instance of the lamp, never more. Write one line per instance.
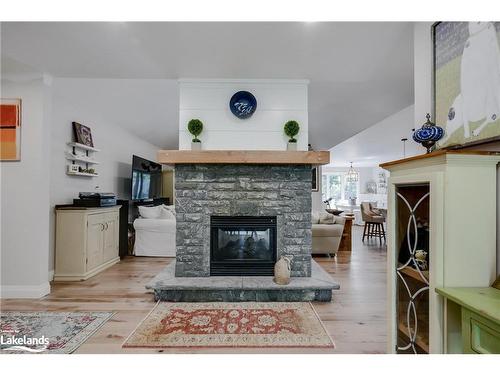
(352, 175)
(328, 201)
(404, 146)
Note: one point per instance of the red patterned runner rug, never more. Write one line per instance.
(227, 324)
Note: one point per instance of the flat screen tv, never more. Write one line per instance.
(146, 179)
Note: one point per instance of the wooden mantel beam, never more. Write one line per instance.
(243, 157)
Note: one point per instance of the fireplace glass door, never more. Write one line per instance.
(242, 245)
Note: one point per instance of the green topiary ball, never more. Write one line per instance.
(292, 128)
(195, 127)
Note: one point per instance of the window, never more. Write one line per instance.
(350, 190)
(331, 186)
(334, 185)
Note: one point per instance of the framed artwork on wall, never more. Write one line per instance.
(83, 134)
(10, 129)
(315, 173)
(466, 82)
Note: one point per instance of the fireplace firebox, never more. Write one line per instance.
(242, 245)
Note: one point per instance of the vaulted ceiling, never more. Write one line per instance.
(359, 73)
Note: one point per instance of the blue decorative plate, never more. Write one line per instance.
(243, 104)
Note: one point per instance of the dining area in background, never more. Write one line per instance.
(345, 187)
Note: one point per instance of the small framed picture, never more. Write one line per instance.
(73, 168)
(315, 172)
(83, 134)
(10, 129)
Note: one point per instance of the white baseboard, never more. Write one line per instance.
(24, 291)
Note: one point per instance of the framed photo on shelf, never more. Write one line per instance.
(315, 173)
(466, 82)
(10, 129)
(83, 134)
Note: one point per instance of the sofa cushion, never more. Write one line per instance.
(150, 212)
(326, 218)
(327, 230)
(315, 217)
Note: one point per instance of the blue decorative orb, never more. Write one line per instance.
(243, 104)
(428, 134)
(434, 133)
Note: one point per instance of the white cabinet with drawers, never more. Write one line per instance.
(86, 241)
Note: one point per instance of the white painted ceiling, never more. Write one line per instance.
(359, 73)
(379, 143)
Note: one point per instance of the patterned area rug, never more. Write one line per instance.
(47, 332)
(225, 324)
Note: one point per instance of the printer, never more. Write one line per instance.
(94, 199)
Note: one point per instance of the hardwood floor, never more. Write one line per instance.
(356, 319)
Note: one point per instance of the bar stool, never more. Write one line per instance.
(374, 222)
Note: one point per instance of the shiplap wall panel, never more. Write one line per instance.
(277, 102)
(261, 120)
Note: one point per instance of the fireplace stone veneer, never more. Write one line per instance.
(206, 190)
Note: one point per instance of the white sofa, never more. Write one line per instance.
(154, 233)
(327, 232)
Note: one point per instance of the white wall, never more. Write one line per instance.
(25, 196)
(316, 198)
(117, 145)
(422, 71)
(277, 102)
(424, 95)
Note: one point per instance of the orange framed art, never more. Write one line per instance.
(10, 129)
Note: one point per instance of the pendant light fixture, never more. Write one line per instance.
(352, 175)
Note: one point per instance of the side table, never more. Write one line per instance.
(346, 241)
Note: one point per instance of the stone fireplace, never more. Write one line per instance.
(205, 192)
(237, 212)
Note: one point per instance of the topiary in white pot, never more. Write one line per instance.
(291, 129)
(195, 127)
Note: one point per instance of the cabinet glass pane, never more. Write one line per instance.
(412, 268)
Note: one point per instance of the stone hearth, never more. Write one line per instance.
(167, 287)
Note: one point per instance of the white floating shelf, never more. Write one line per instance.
(82, 174)
(82, 147)
(70, 156)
